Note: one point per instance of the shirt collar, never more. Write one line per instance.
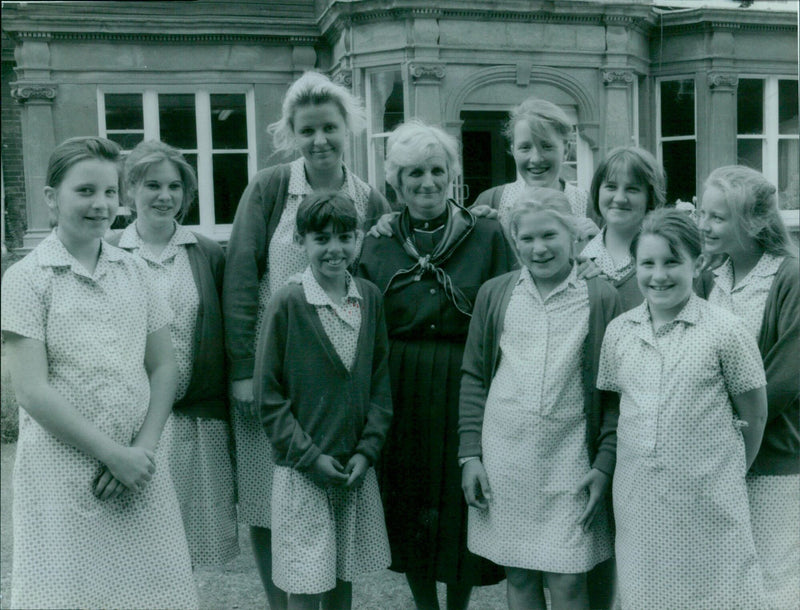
(316, 295)
(690, 314)
(767, 266)
(51, 252)
(131, 240)
(298, 183)
(526, 279)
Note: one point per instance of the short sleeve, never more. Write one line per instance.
(607, 369)
(740, 359)
(23, 306)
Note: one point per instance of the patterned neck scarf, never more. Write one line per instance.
(458, 226)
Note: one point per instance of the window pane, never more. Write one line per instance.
(230, 180)
(193, 217)
(228, 121)
(750, 106)
(176, 117)
(127, 141)
(788, 178)
(787, 106)
(679, 164)
(677, 108)
(124, 111)
(748, 152)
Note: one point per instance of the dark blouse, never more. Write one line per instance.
(421, 310)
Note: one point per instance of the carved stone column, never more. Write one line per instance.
(619, 115)
(722, 119)
(426, 80)
(35, 91)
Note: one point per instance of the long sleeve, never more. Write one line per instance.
(246, 264)
(606, 457)
(293, 445)
(779, 341)
(474, 388)
(379, 411)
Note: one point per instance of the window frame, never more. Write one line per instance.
(379, 182)
(660, 139)
(204, 151)
(770, 136)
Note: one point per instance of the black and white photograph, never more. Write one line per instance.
(400, 305)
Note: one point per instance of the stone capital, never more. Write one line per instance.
(344, 78)
(34, 92)
(618, 78)
(426, 72)
(723, 81)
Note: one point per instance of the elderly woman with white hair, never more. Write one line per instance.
(429, 271)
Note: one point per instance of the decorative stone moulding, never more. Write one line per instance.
(617, 78)
(723, 80)
(39, 92)
(426, 72)
(344, 78)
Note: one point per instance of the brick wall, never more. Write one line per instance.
(13, 172)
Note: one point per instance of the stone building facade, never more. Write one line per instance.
(699, 83)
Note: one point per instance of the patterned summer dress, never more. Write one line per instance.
(321, 535)
(578, 199)
(534, 438)
(254, 461)
(72, 550)
(774, 500)
(199, 454)
(684, 537)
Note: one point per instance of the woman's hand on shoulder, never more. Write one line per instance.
(475, 484)
(326, 471)
(242, 397)
(483, 211)
(130, 468)
(383, 228)
(356, 469)
(596, 482)
(587, 269)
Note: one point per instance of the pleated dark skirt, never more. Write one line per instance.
(426, 515)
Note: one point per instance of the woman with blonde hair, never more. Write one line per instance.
(317, 118)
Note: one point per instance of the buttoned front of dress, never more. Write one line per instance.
(748, 297)
(171, 275)
(684, 537)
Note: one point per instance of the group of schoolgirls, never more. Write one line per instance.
(572, 382)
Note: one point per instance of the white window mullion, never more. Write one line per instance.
(152, 128)
(101, 113)
(252, 152)
(205, 164)
(769, 150)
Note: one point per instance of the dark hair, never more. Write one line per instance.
(322, 208)
(642, 167)
(676, 227)
(150, 153)
(74, 150)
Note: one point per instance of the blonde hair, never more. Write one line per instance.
(540, 115)
(753, 202)
(313, 89)
(150, 153)
(413, 141)
(540, 199)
